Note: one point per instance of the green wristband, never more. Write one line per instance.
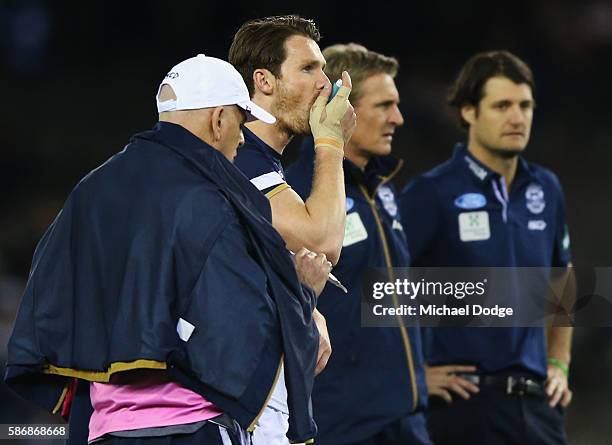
(559, 364)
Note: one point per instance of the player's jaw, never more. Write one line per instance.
(292, 109)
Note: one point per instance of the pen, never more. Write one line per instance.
(332, 279)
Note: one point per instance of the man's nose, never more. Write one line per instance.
(322, 81)
(396, 117)
(517, 115)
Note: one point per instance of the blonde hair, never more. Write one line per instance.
(360, 62)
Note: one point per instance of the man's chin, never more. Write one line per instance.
(294, 128)
(509, 152)
(303, 130)
(384, 149)
(306, 130)
(379, 150)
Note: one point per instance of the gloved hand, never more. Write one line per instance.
(332, 124)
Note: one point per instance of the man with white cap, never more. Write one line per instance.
(162, 291)
(199, 87)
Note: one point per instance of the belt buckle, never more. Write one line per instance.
(532, 387)
(510, 384)
(516, 386)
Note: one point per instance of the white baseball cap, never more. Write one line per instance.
(204, 82)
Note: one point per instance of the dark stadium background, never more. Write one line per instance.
(78, 79)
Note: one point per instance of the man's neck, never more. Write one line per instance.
(270, 134)
(355, 157)
(506, 167)
(191, 124)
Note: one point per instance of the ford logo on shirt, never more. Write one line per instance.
(349, 204)
(470, 201)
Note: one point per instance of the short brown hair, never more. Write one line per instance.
(468, 88)
(360, 62)
(260, 43)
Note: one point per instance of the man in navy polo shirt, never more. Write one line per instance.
(518, 387)
(374, 386)
(282, 65)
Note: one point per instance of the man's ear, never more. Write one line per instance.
(469, 113)
(264, 81)
(216, 120)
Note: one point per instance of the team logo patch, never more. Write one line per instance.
(469, 201)
(536, 224)
(388, 199)
(354, 230)
(349, 204)
(474, 226)
(534, 196)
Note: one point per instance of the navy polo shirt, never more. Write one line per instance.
(369, 381)
(261, 164)
(523, 227)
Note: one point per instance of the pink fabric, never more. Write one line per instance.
(146, 401)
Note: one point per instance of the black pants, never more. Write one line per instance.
(207, 435)
(80, 412)
(409, 430)
(493, 417)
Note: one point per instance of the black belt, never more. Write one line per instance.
(510, 384)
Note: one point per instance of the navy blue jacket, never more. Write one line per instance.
(522, 227)
(167, 229)
(374, 375)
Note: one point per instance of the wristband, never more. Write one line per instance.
(330, 142)
(559, 364)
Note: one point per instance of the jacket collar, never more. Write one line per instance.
(378, 171)
(482, 173)
(212, 164)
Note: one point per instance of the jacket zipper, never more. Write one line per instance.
(253, 424)
(403, 330)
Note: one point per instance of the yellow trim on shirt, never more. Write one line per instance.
(104, 376)
(277, 190)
